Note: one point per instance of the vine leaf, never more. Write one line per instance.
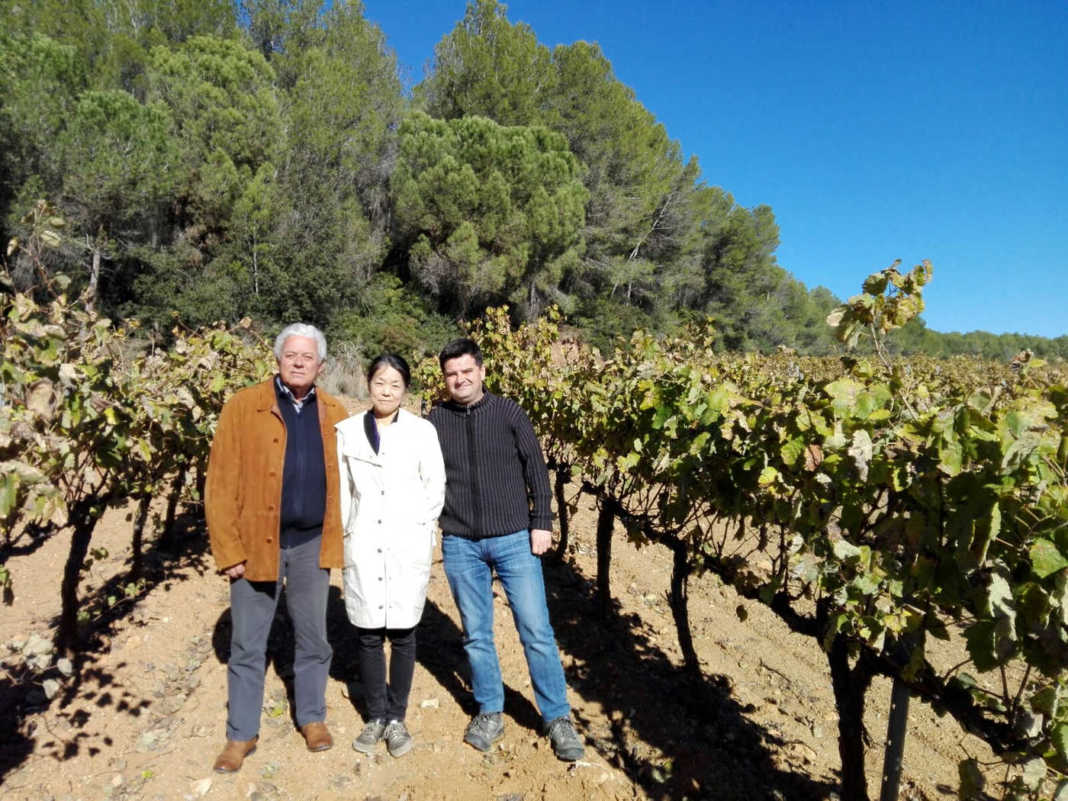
(980, 639)
(1059, 738)
(845, 550)
(791, 450)
(768, 476)
(1046, 559)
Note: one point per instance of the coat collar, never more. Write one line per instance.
(353, 429)
(354, 424)
(372, 430)
(267, 400)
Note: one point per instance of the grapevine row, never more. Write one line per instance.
(91, 417)
(874, 507)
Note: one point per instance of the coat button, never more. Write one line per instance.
(269, 539)
(379, 522)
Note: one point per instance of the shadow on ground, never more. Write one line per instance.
(21, 689)
(440, 651)
(673, 736)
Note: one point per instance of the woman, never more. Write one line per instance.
(392, 489)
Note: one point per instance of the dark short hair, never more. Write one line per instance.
(390, 360)
(460, 347)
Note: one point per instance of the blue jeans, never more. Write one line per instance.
(252, 608)
(469, 566)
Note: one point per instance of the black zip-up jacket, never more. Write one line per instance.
(495, 477)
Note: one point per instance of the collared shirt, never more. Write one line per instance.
(286, 392)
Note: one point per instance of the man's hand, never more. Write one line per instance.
(540, 540)
(235, 572)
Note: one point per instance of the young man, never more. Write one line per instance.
(497, 518)
(274, 514)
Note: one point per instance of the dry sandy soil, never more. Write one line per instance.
(142, 714)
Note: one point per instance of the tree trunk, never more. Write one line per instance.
(850, 688)
(563, 475)
(255, 268)
(84, 516)
(532, 304)
(201, 480)
(679, 599)
(606, 519)
(137, 543)
(898, 721)
(167, 539)
(94, 278)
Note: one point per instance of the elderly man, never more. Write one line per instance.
(273, 512)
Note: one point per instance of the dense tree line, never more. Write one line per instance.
(917, 338)
(261, 158)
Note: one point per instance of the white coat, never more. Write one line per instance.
(390, 502)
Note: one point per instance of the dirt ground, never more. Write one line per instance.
(141, 715)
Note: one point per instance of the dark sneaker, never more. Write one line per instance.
(566, 743)
(370, 736)
(398, 741)
(484, 730)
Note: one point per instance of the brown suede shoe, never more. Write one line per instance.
(229, 761)
(317, 736)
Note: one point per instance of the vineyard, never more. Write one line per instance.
(876, 507)
(93, 417)
(889, 511)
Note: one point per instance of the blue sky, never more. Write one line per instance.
(874, 130)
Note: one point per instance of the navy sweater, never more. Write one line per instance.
(496, 481)
(304, 472)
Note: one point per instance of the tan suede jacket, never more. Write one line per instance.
(243, 494)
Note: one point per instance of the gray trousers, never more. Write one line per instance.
(252, 608)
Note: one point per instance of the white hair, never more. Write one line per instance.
(300, 330)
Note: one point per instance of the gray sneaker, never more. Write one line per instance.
(567, 745)
(484, 730)
(370, 736)
(398, 741)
